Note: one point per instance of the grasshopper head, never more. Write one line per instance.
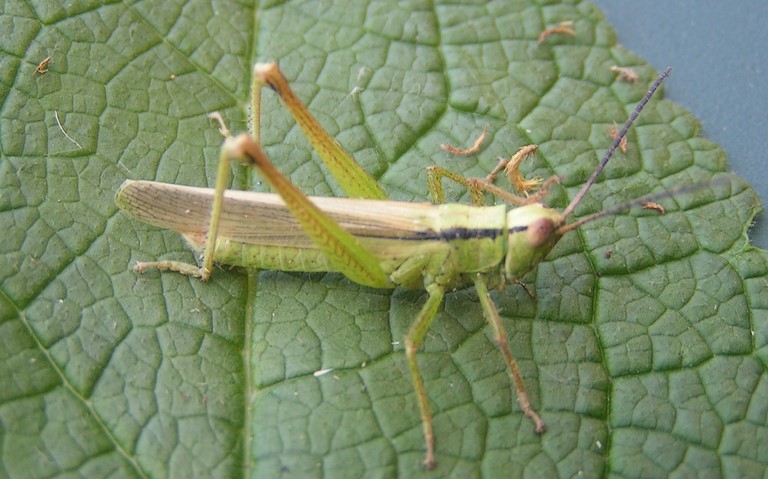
(533, 230)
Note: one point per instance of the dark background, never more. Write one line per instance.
(718, 52)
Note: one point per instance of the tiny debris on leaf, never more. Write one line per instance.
(562, 28)
(626, 74)
(652, 205)
(466, 151)
(61, 128)
(322, 372)
(42, 67)
(614, 133)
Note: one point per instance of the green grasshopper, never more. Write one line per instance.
(372, 241)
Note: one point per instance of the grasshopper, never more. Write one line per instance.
(372, 241)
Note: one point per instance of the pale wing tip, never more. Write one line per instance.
(125, 192)
(121, 193)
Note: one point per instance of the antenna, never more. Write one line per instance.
(609, 154)
(631, 204)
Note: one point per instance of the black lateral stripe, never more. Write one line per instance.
(449, 234)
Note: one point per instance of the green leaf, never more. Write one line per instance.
(644, 351)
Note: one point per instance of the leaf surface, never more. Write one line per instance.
(644, 351)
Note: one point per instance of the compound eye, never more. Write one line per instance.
(540, 231)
